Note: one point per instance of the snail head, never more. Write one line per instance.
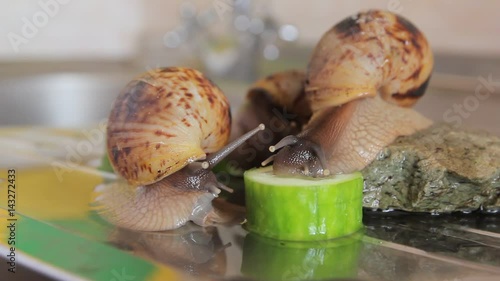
(298, 157)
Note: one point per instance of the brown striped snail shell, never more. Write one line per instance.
(364, 75)
(174, 111)
(278, 102)
(160, 127)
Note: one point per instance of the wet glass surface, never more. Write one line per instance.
(396, 246)
(392, 246)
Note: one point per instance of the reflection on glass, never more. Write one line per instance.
(192, 249)
(269, 259)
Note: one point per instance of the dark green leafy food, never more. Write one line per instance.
(303, 209)
(440, 169)
(273, 260)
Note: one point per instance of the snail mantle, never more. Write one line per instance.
(440, 169)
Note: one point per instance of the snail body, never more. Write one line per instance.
(364, 76)
(166, 130)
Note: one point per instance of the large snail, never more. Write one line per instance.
(364, 75)
(166, 131)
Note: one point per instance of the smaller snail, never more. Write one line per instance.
(364, 75)
(278, 102)
(166, 131)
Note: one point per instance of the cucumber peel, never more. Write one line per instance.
(303, 209)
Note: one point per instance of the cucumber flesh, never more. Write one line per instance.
(303, 209)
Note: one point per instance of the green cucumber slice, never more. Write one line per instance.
(300, 209)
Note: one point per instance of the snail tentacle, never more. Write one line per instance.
(215, 158)
(288, 140)
(268, 160)
(225, 187)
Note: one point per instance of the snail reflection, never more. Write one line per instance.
(196, 250)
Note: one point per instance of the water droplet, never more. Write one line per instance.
(269, 35)
(242, 3)
(187, 10)
(241, 22)
(172, 39)
(435, 213)
(492, 210)
(289, 32)
(206, 18)
(271, 52)
(256, 26)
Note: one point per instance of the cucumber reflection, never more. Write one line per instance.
(269, 259)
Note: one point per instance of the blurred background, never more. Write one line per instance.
(62, 62)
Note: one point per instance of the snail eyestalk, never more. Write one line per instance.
(215, 158)
(225, 187)
(286, 141)
(268, 160)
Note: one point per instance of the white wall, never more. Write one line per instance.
(458, 26)
(114, 29)
(69, 29)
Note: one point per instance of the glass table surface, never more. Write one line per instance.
(59, 235)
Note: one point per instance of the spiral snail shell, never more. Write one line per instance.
(160, 127)
(278, 102)
(364, 75)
